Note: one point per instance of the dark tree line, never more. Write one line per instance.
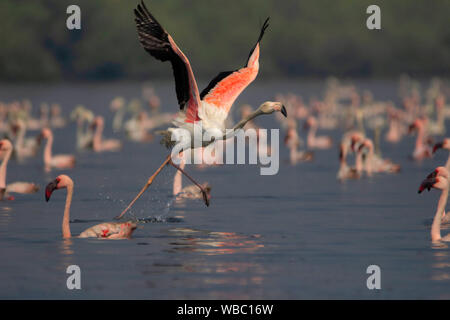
(305, 38)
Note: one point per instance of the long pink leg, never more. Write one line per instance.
(149, 182)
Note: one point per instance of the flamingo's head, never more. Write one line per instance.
(445, 144)
(269, 107)
(437, 182)
(5, 145)
(356, 141)
(439, 172)
(98, 122)
(45, 133)
(61, 182)
(418, 123)
(310, 122)
(366, 144)
(117, 103)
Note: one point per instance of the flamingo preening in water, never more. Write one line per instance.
(60, 161)
(6, 148)
(437, 182)
(205, 111)
(107, 230)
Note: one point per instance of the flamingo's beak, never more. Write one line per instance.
(283, 111)
(50, 188)
(437, 146)
(427, 184)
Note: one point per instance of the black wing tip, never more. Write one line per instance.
(263, 28)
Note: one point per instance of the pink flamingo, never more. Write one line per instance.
(314, 142)
(292, 141)
(100, 145)
(209, 108)
(6, 148)
(421, 150)
(60, 161)
(441, 172)
(107, 230)
(373, 162)
(441, 183)
(347, 144)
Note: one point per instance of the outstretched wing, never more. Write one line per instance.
(223, 90)
(160, 45)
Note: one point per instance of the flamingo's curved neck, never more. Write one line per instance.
(358, 162)
(420, 137)
(311, 134)
(66, 218)
(20, 135)
(242, 123)
(97, 141)
(369, 160)
(447, 164)
(3, 167)
(48, 150)
(436, 226)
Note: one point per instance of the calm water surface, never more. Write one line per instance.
(298, 234)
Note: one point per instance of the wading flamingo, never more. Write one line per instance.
(312, 141)
(6, 149)
(441, 183)
(207, 110)
(60, 161)
(23, 147)
(100, 145)
(293, 142)
(107, 230)
(85, 134)
(347, 145)
(421, 150)
(372, 161)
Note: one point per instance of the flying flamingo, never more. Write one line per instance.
(441, 183)
(107, 230)
(6, 148)
(207, 110)
(189, 192)
(60, 161)
(100, 145)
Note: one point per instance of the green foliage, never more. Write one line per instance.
(305, 38)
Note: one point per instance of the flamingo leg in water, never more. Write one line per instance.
(149, 182)
(204, 192)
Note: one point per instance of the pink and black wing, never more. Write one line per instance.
(161, 46)
(223, 90)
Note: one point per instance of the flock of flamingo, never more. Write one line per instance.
(357, 114)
